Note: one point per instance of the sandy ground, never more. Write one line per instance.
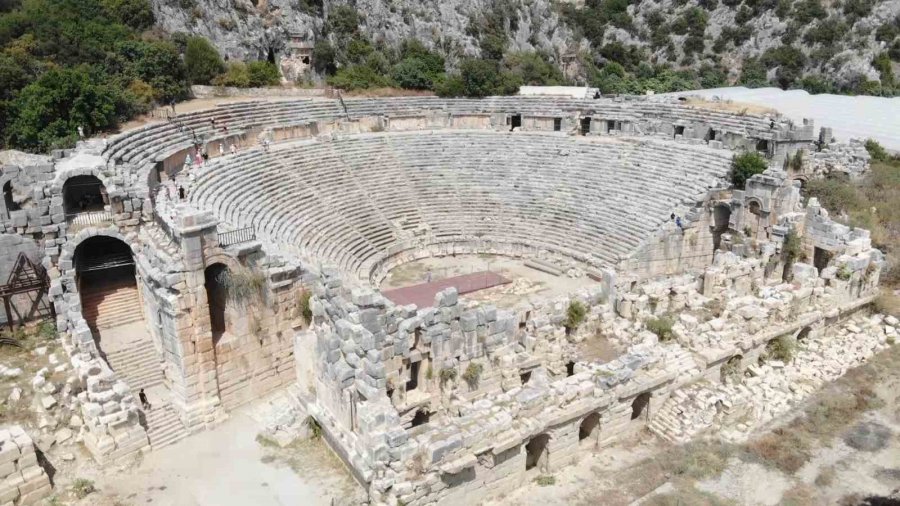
(226, 466)
(527, 282)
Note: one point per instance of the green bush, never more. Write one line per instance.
(662, 327)
(575, 314)
(447, 375)
(137, 14)
(356, 77)
(236, 74)
(202, 61)
(414, 73)
(263, 73)
(472, 374)
(305, 310)
(876, 151)
(781, 348)
(82, 488)
(744, 166)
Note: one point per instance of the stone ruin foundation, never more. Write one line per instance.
(260, 278)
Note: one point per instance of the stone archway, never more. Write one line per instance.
(640, 407)
(84, 194)
(589, 428)
(536, 452)
(112, 305)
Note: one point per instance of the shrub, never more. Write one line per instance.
(263, 73)
(47, 329)
(315, 430)
(786, 449)
(844, 273)
(137, 14)
(575, 314)
(662, 327)
(792, 247)
(781, 348)
(202, 61)
(356, 77)
(472, 374)
(447, 375)
(744, 166)
(323, 56)
(414, 73)
(243, 285)
(545, 481)
(305, 310)
(876, 151)
(236, 74)
(82, 488)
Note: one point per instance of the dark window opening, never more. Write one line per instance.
(84, 193)
(525, 377)
(11, 204)
(270, 57)
(610, 126)
(216, 298)
(421, 418)
(821, 258)
(762, 146)
(515, 122)
(585, 126)
(413, 382)
(679, 130)
(710, 135)
(305, 60)
(804, 333)
(570, 368)
(557, 124)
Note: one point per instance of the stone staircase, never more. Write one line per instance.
(112, 306)
(163, 426)
(137, 364)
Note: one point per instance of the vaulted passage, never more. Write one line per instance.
(640, 406)
(536, 452)
(590, 427)
(105, 275)
(84, 194)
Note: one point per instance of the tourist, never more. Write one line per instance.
(221, 148)
(678, 223)
(232, 148)
(205, 156)
(188, 161)
(181, 192)
(199, 159)
(212, 122)
(144, 402)
(428, 277)
(173, 105)
(80, 132)
(266, 145)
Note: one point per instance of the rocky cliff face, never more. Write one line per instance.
(838, 40)
(242, 29)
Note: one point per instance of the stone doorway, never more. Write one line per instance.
(536, 452)
(640, 407)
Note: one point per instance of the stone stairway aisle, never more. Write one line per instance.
(137, 364)
(112, 306)
(163, 426)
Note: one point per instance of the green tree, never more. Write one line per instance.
(357, 77)
(202, 61)
(323, 56)
(236, 74)
(413, 73)
(48, 112)
(533, 69)
(156, 63)
(744, 166)
(480, 78)
(137, 14)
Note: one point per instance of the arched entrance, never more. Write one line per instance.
(112, 306)
(84, 194)
(536, 452)
(639, 407)
(721, 218)
(105, 276)
(590, 427)
(217, 298)
(8, 201)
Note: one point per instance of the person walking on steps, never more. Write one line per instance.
(144, 402)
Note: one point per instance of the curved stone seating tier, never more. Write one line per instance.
(157, 141)
(358, 200)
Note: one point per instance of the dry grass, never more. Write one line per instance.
(731, 106)
(785, 449)
(387, 92)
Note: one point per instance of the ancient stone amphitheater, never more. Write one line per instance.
(255, 272)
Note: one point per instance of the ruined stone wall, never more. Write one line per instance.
(23, 481)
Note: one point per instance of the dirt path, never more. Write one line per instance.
(225, 466)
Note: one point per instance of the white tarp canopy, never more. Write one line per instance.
(559, 91)
(860, 117)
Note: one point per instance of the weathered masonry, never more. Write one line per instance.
(215, 269)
